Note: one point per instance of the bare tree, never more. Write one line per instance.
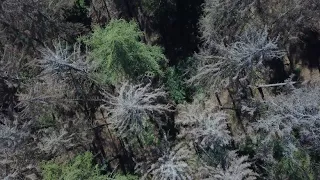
(62, 59)
(297, 110)
(62, 68)
(133, 106)
(236, 168)
(204, 127)
(224, 19)
(102, 11)
(290, 17)
(55, 142)
(11, 134)
(35, 23)
(173, 165)
(233, 167)
(16, 143)
(41, 97)
(51, 100)
(241, 59)
(10, 66)
(10, 62)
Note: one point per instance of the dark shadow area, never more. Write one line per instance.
(310, 46)
(8, 98)
(177, 24)
(279, 73)
(176, 21)
(79, 14)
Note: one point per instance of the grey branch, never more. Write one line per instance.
(241, 59)
(133, 106)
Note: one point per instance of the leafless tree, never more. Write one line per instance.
(61, 70)
(12, 134)
(47, 100)
(204, 127)
(133, 106)
(63, 58)
(10, 63)
(102, 11)
(10, 66)
(34, 23)
(16, 143)
(173, 164)
(55, 142)
(41, 97)
(242, 59)
(223, 19)
(290, 17)
(296, 110)
(237, 168)
(233, 167)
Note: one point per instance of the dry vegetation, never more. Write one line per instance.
(87, 91)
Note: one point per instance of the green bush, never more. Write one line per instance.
(119, 53)
(79, 168)
(125, 177)
(297, 167)
(174, 84)
(46, 119)
(148, 136)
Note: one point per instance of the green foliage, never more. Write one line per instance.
(125, 177)
(297, 167)
(175, 85)
(47, 118)
(79, 168)
(120, 54)
(148, 136)
(81, 3)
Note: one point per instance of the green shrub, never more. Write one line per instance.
(125, 177)
(148, 136)
(174, 84)
(81, 167)
(297, 167)
(81, 3)
(120, 54)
